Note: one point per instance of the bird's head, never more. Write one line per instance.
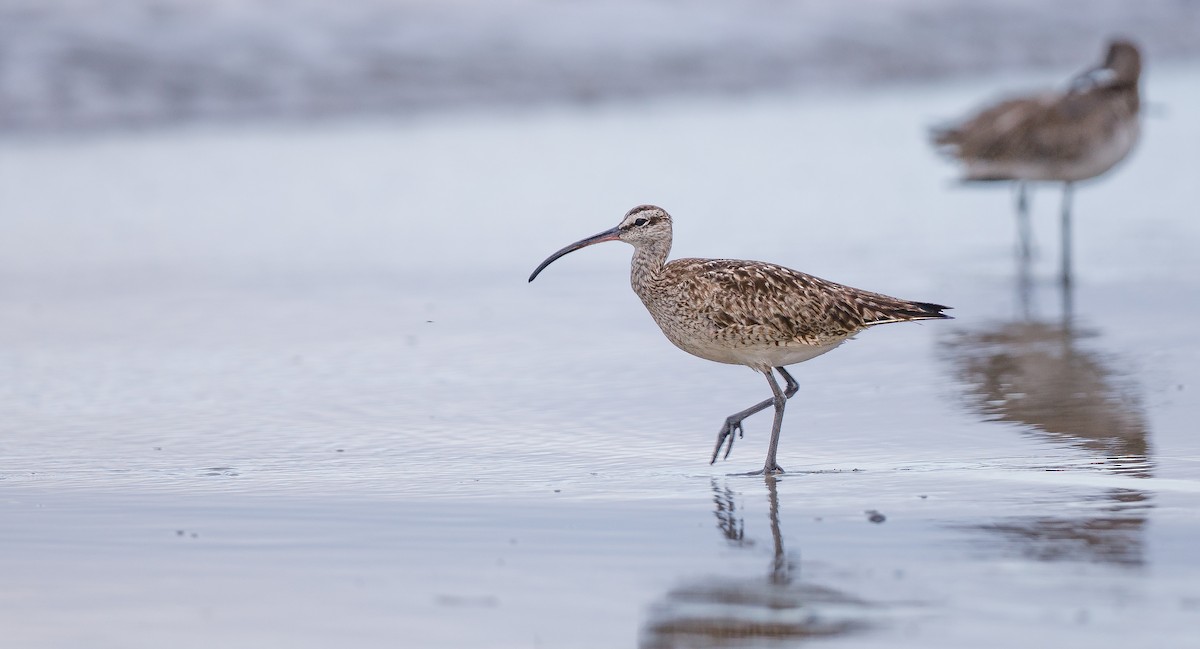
(642, 226)
(1121, 68)
(1124, 60)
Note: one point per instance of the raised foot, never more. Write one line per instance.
(727, 433)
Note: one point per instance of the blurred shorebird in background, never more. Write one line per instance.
(1062, 136)
(751, 313)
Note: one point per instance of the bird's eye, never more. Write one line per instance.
(639, 222)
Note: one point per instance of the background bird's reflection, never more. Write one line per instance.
(1050, 376)
(758, 611)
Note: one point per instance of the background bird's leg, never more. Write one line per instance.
(1066, 234)
(771, 466)
(1024, 231)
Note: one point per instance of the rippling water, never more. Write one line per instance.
(290, 386)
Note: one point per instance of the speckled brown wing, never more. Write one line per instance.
(775, 304)
(1052, 127)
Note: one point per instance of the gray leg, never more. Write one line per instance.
(1024, 231)
(1066, 234)
(792, 387)
(733, 423)
(771, 466)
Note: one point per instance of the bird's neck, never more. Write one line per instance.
(1132, 97)
(648, 262)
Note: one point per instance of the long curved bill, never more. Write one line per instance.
(607, 235)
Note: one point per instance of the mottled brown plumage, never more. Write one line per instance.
(751, 313)
(1068, 136)
(756, 310)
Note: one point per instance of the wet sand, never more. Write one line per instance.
(289, 386)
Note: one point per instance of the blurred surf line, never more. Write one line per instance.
(83, 64)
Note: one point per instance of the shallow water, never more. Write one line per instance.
(291, 387)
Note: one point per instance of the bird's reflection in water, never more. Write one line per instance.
(1045, 375)
(775, 610)
(1112, 533)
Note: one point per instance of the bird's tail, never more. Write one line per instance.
(905, 311)
(927, 311)
(944, 134)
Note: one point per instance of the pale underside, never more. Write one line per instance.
(758, 357)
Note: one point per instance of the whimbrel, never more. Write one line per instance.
(1063, 136)
(751, 313)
